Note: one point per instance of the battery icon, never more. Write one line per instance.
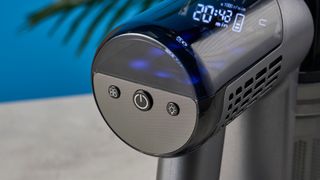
(238, 22)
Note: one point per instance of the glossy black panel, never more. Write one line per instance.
(213, 40)
(195, 19)
(140, 59)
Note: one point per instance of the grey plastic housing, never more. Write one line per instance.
(152, 132)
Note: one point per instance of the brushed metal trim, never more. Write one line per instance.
(154, 132)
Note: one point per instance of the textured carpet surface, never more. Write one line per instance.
(65, 139)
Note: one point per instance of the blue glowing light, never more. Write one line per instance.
(187, 36)
(173, 46)
(139, 64)
(193, 80)
(203, 70)
(156, 52)
(162, 74)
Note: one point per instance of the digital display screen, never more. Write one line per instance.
(225, 35)
(223, 15)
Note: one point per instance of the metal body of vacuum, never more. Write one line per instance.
(208, 86)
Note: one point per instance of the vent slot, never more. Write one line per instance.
(272, 81)
(266, 90)
(275, 62)
(261, 73)
(245, 103)
(239, 90)
(274, 72)
(235, 111)
(249, 83)
(260, 83)
(247, 93)
(230, 97)
(238, 101)
(252, 102)
(242, 93)
(257, 93)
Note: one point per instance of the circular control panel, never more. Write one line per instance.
(142, 100)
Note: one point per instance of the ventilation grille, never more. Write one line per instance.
(299, 159)
(306, 159)
(315, 163)
(248, 89)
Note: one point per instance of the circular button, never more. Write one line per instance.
(173, 109)
(114, 92)
(142, 100)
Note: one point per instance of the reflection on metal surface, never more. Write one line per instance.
(308, 100)
(306, 165)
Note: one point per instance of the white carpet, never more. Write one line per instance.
(65, 139)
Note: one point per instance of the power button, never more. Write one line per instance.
(142, 100)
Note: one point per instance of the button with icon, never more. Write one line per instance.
(114, 92)
(142, 100)
(173, 109)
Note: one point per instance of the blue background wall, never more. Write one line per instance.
(34, 65)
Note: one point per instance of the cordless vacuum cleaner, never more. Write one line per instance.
(174, 76)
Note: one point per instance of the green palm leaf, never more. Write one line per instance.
(77, 21)
(115, 10)
(94, 25)
(58, 22)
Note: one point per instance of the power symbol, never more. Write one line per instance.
(142, 100)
